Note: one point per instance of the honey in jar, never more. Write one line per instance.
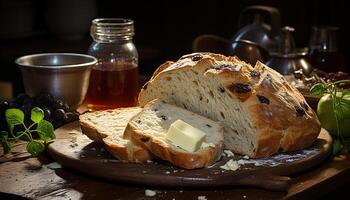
(112, 86)
(114, 79)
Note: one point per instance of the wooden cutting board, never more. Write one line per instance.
(74, 150)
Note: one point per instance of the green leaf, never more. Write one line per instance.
(14, 117)
(318, 89)
(345, 92)
(37, 115)
(4, 135)
(35, 147)
(45, 130)
(337, 147)
(7, 145)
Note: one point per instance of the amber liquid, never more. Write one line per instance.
(112, 85)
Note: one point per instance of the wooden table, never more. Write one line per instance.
(33, 178)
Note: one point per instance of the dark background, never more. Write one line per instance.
(164, 29)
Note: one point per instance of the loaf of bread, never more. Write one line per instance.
(261, 112)
(149, 127)
(108, 127)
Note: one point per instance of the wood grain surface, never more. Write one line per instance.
(32, 178)
(74, 150)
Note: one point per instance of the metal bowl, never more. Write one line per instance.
(64, 75)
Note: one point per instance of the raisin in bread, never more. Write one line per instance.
(148, 129)
(108, 127)
(260, 110)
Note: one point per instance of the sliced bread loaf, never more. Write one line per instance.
(148, 129)
(261, 112)
(107, 127)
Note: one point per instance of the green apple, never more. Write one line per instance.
(326, 115)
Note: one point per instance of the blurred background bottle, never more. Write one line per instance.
(324, 53)
(114, 79)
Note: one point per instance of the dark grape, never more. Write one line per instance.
(27, 106)
(47, 114)
(55, 110)
(65, 106)
(71, 116)
(21, 98)
(4, 105)
(58, 104)
(26, 110)
(59, 115)
(45, 100)
(14, 105)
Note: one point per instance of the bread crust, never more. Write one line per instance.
(279, 112)
(90, 132)
(129, 154)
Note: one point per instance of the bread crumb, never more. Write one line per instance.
(202, 198)
(93, 148)
(150, 193)
(149, 161)
(54, 165)
(246, 157)
(167, 172)
(240, 162)
(244, 196)
(206, 145)
(230, 165)
(229, 153)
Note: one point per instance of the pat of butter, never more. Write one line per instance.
(185, 136)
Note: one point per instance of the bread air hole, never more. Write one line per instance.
(211, 94)
(145, 139)
(195, 82)
(195, 72)
(168, 78)
(222, 115)
(178, 78)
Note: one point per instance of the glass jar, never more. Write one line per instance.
(114, 79)
(324, 53)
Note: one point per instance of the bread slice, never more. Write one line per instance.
(107, 127)
(261, 112)
(148, 129)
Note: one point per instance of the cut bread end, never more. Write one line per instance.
(107, 127)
